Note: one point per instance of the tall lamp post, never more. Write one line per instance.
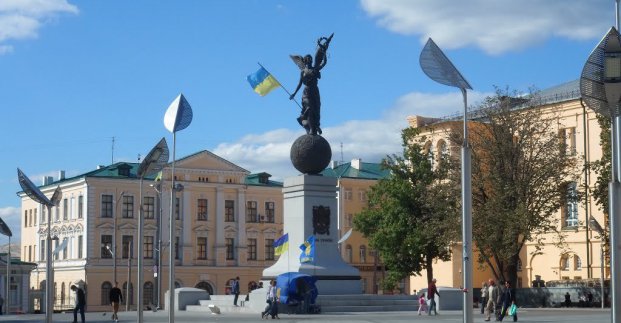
(154, 162)
(178, 116)
(595, 225)
(600, 88)
(114, 221)
(36, 195)
(158, 272)
(4, 229)
(440, 69)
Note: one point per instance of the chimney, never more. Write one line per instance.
(100, 167)
(61, 175)
(334, 164)
(356, 163)
(47, 180)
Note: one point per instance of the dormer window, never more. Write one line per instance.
(123, 170)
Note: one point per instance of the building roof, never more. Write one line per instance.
(357, 170)
(261, 179)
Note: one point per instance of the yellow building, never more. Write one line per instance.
(581, 256)
(226, 222)
(354, 180)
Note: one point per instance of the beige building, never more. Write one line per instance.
(226, 222)
(580, 258)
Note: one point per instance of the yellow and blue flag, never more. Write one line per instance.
(281, 245)
(308, 250)
(262, 81)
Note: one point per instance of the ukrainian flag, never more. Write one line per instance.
(308, 250)
(281, 245)
(262, 81)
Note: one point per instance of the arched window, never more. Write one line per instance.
(148, 293)
(519, 264)
(206, 286)
(443, 151)
(128, 295)
(429, 152)
(105, 293)
(62, 293)
(348, 254)
(363, 254)
(577, 263)
(564, 262)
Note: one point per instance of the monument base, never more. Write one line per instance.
(303, 196)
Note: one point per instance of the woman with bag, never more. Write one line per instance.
(508, 301)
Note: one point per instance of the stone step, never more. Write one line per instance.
(374, 308)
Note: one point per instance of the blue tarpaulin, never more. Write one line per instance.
(294, 287)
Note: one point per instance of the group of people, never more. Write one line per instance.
(497, 301)
(272, 300)
(432, 291)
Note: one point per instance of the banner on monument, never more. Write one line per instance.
(308, 250)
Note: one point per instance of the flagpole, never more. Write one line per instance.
(294, 100)
(171, 245)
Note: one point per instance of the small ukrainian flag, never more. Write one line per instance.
(281, 245)
(262, 81)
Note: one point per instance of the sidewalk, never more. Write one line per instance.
(525, 315)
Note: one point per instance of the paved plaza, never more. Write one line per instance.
(525, 315)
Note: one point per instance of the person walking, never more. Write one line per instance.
(508, 299)
(1, 304)
(272, 302)
(431, 292)
(483, 297)
(116, 297)
(80, 302)
(492, 297)
(235, 290)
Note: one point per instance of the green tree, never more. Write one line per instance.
(520, 176)
(411, 218)
(602, 167)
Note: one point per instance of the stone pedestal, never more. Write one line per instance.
(310, 208)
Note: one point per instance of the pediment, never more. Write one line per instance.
(201, 228)
(230, 228)
(150, 227)
(127, 226)
(206, 160)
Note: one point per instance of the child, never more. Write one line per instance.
(422, 304)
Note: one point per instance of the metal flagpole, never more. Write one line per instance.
(8, 279)
(171, 257)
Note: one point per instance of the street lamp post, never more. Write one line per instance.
(4, 229)
(440, 69)
(600, 88)
(36, 195)
(115, 215)
(158, 189)
(595, 225)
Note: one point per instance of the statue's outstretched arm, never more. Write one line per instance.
(297, 88)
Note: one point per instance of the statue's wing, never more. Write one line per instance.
(298, 60)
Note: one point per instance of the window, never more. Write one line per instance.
(106, 241)
(57, 213)
(25, 218)
(29, 253)
(230, 254)
(80, 247)
(35, 217)
(176, 247)
(519, 265)
(348, 219)
(251, 212)
(106, 206)
(148, 293)
(201, 210)
(270, 214)
(362, 195)
(269, 249)
(252, 249)
(565, 262)
(65, 251)
(229, 211)
(65, 209)
(363, 254)
(571, 207)
(128, 207)
(148, 247)
(577, 263)
(56, 243)
(148, 207)
(177, 209)
(43, 215)
(80, 206)
(105, 293)
(42, 251)
(128, 298)
(567, 138)
(62, 293)
(347, 194)
(201, 248)
(443, 150)
(128, 246)
(348, 254)
(430, 153)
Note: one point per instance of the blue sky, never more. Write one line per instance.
(74, 74)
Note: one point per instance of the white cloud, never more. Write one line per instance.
(370, 140)
(492, 25)
(22, 19)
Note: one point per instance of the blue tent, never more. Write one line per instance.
(294, 286)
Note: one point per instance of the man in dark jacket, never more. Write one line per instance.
(80, 302)
(508, 299)
(116, 297)
(235, 290)
(432, 291)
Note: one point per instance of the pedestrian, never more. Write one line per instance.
(508, 299)
(492, 297)
(1, 304)
(272, 302)
(483, 297)
(235, 290)
(422, 304)
(431, 292)
(80, 302)
(567, 300)
(116, 297)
